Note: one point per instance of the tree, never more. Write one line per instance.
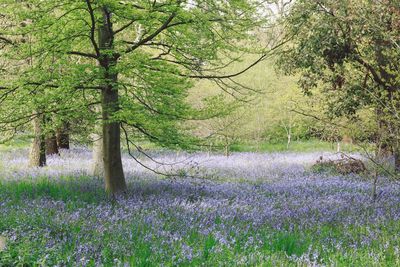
(226, 130)
(37, 155)
(136, 59)
(350, 49)
(51, 144)
(63, 135)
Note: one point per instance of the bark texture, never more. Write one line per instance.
(397, 161)
(98, 164)
(37, 155)
(63, 136)
(113, 171)
(51, 144)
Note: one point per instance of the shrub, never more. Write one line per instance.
(343, 166)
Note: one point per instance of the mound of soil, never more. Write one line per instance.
(345, 165)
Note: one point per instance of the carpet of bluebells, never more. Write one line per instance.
(244, 210)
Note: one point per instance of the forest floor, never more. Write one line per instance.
(265, 209)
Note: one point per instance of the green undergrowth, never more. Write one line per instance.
(68, 189)
(295, 146)
(45, 237)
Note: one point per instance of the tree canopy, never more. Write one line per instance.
(134, 60)
(350, 50)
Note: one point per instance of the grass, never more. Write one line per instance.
(280, 248)
(70, 221)
(65, 189)
(17, 143)
(312, 145)
(295, 146)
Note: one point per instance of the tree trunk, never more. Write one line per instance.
(63, 136)
(289, 138)
(382, 139)
(51, 144)
(397, 161)
(227, 151)
(97, 165)
(375, 185)
(396, 155)
(37, 155)
(383, 115)
(113, 170)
